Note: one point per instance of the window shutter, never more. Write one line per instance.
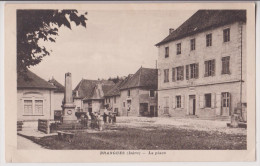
(201, 101)
(187, 72)
(218, 103)
(230, 100)
(182, 101)
(206, 68)
(213, 100)
(182, 73)
(197, 70)
(213, 67)
(228, 64)
(173, 102)
(173, 74)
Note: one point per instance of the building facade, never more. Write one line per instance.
(138, 95)
(202, 65)
(35, 98)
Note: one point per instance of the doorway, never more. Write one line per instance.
(153, 111)
(143, 111)
(192, 105)
(225, 104)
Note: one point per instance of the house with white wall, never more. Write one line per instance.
(202, 65)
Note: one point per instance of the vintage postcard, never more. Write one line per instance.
(124, 82)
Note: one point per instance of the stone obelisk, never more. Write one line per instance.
(68, 106)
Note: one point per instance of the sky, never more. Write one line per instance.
(115, 43)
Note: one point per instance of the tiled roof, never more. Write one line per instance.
(59, 86)
(143, 78)
(31, 80)
(86, 87)
(115, 90)
(204, 20)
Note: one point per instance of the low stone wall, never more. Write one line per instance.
(44, 125)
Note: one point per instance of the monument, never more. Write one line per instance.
(68, 107)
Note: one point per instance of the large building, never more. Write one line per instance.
(202, 65)
(35, 98)
(138, 95)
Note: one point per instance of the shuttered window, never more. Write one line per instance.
(209, 68)
(178, 101)
(226, 35)
(187, 72)
(178, 48)
(166, 52)
(173, 75)
(192, 44)
(166, 75)
(208, 100)
(209, 40)
(225, 65)
(194, 70)
(180, 73)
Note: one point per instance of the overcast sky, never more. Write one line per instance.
(115, 43)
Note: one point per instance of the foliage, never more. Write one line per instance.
(36, 25)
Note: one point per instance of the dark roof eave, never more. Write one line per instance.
(195, 32)
(42, 88)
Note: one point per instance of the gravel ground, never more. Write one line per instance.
(181, 123)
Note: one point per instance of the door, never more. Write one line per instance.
(143, 111)
(166, 105)
(152, 112)
(225, 104)
(192, 105)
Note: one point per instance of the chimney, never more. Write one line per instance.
(171, 30)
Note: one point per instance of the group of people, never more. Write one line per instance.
(97, 120)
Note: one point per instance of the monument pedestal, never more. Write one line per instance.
(69, 113)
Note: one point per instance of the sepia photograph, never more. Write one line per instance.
(132, 81)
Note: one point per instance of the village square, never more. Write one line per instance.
(193, 98)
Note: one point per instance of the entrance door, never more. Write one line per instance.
(225, 104)
(192, 105)
(143, 111)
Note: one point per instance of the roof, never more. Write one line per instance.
(86, 87)
(32, 81)
(115, 90)
(59, 86)
(204, 20)
(99, 92)
(143, 78)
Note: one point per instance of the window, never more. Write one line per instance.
(123, 104)
(166, 75)
(166, 52)
(178, 101)
(187, 72)
(28, 107)
(128, 93)
(180, 73)
(210, 68)
(192, 44)
(194, 70)
(208, 100)
(178, 48)
(38, 107)
(209, 40)
(109, 100)
(114, 99)
(152, 93)
(225, 65)
(226, 35)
